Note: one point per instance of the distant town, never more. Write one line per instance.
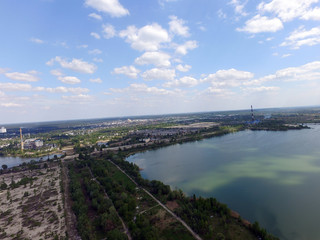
(35, 139)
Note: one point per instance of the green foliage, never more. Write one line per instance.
(116, 234)
(23, 181)
(3, 186)
(261, 232)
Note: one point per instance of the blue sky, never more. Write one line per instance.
(102, 58)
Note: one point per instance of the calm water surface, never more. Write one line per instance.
(271, 177)
(16, 161)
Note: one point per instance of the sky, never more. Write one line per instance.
(80, 59)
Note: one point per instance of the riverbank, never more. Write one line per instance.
(208, 217)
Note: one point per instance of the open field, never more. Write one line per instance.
(31, 206)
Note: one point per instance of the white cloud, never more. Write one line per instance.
(184, 68)
(82, 46)
(95, 80)
(10, 104)
(221, 14)
(36, 40)
(239, 7)
(95, 51)
(313, 14)
(219, 92)
(301, 37)
(259, 24)
(202, 28)
(159, 74)
(65, 79)
(61, 44)
(95, 16)
(288, 10)
(147, 38)
(158, 59)
(108, 31)
(77, 65)
(3, 70)
(60, 89)
(261, 89)
(15, 87)
(177, 26)
(229, 78)
(98, 60)
(56, 72)
(286, 55)
(80, 98)
(25, 77)
(182, 82)
(19, 87)
(162, 2)
(184, 48)
(112, 7)
(95, 35)
(307, 72)
(129, 71)
(69, 79)
(140, 88)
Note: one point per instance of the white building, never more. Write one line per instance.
(3, 130)
(38, 143)
(33, 143)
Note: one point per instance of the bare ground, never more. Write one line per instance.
(33, 210)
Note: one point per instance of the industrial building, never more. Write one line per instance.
(3, 130)
(33, 143)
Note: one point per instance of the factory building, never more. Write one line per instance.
(3, 130)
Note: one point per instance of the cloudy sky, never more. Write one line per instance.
(102, 58)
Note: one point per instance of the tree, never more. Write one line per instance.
(4, 166)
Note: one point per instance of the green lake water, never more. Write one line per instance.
(269, 177)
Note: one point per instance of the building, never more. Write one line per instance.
(38, 143)
(3, 130)
(33, 143)
(101, 143)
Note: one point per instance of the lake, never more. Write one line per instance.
(16, 161)
(269, 177)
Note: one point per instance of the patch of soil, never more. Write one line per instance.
(172, 205)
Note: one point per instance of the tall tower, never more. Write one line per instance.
(252, 116)
(21, 139)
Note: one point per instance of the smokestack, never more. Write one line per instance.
(252, 117)
(21, 140)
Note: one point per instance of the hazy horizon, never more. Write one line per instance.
(160, 115)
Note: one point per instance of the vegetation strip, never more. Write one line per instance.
(126, 230)
(163, 206)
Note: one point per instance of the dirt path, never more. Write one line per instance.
(126, 229)
(71, 220)
(195, 235)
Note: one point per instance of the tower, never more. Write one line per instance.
(21, 139)
(252, 116)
